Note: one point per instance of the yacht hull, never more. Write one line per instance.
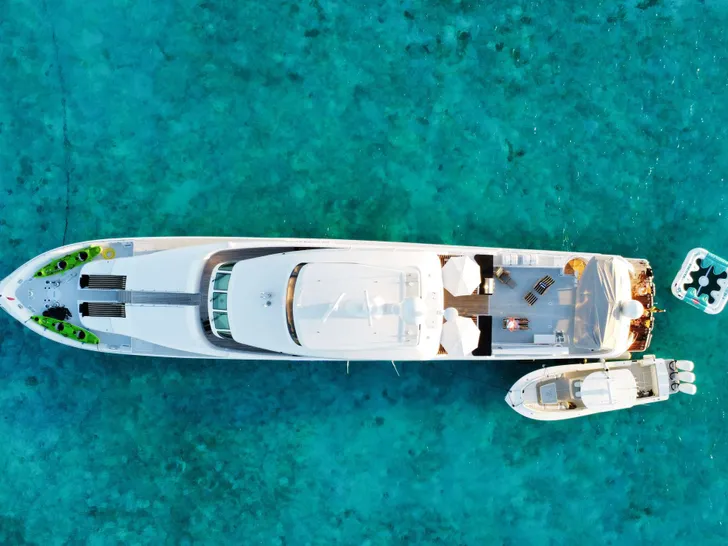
(24, 295)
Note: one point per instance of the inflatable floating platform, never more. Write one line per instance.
(703, 281)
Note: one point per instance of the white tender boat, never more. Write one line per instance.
(577, 390)
(316, 299)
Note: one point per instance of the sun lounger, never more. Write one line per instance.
(515, 323)
(543, 285)
(540, 288)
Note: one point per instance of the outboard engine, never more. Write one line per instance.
(681, 376)
(688, 388)
(685, 365)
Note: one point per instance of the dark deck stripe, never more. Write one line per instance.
(485, 342)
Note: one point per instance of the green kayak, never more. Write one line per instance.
(67, 330)
(69, 261)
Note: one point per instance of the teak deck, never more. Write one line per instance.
(468, 306)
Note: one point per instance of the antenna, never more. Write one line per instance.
(392, 361)
(334, 307)
(369, 307)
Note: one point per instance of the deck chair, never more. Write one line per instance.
(503, 276)
(540, 287)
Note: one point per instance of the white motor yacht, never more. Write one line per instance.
(320, 299)
(577, 390)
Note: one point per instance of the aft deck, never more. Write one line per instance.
(552, 312)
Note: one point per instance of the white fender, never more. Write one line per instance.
(685, 365)
(686, 377)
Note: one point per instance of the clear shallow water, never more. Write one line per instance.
(599, 128)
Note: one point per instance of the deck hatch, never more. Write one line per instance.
(102, 309)
(103, 282)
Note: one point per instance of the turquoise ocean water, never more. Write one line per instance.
(599, 127)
